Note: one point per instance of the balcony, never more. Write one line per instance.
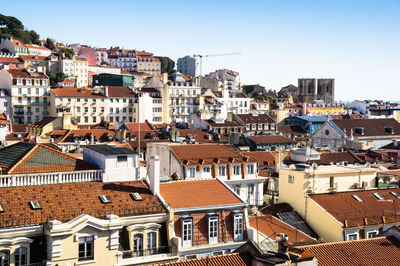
(18, 112)
(37, 103)
(144, 252)
(145, 256)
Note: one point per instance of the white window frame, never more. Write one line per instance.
(237, 169)
(291, 179)
(375, 232)
(18, 252)
(191, 172)
(207, 167)
(84, 240)
(187, 233)
(213, 225)
(137, 244)
(250, 166)
(238, 227)
(220, 167)
(151, 242)
(350, 235)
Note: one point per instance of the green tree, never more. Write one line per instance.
(50, 44)
(68, 53)
(104, 63)
(167, 64)
(54, 79)
(13, 27)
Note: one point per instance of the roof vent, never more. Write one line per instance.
(136, 196)
(104, 199)
(35, 205)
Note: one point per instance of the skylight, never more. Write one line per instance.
(357, 198)
(379, 196)
(35, 205)
(105, 199)
(136, 196)
(1, 208)
(394, 193)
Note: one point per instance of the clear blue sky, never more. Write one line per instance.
(355, 42)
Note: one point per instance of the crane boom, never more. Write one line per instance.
(210, 55)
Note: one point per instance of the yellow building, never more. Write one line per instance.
(298, 185)
(37, 62)
(325, 109)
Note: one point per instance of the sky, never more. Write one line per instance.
(355, 42)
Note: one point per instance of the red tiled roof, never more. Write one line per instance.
(366, 252)
(8, 59)
(17, 43)
(199, 193)
(327, 158)
(270, 139)
(198, 154)
(41, 123)
(142, 126)
(116, 91)
(270, 227)
(200, 135)
(64, 202)
(372, 127)
(76, 92)
(33, 57)
(352, 213)
(23, 73)
(260, 118)
(31, 46)
(99, 134)
(232, 259)
(266, 158)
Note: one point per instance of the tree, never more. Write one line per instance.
(167, 64)
(54, 79)
(13, 27)
(68, 53)
(50, 44)
(104, 63)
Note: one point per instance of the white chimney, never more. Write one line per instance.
(155, 174)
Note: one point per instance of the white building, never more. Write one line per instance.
(183, 98)
(76, 69)
(101, 55)
(189, 66)
(222, 79)
(104, 69)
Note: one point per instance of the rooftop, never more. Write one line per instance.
(372, 127)
(270, 139)
(76, 92)
(368, 252)
(260, 118)
(64, 202)
(232, 259)
(198, 193)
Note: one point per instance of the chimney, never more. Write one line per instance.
(283, 243)
(155, 174)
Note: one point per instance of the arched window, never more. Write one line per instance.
(4, 257)
(20, 256)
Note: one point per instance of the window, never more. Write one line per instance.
(187, 233)
(111, 110)
(20, 256)
(94, 119)
(206, 169)
(37, 91)
(4, 257)
(78, 109)
(221, 170)
(122, 159)
(332, 182)
(86, 109)
(395, 194)
(151, 242)
(94, 109)
(35, 205)
(86, 119)
(372, 234)
(78, 99)
(104, 199)
(236, 169)
(238, 227)
(379, 196)
(352, 236)
(250, 169)
(213, 230)
(102, 109)
(19, 82)
(86, 248)
(291, 179)
(357, 198)
(191, 172)
(136, 196)
(138, 244)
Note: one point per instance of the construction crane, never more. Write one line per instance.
(209, 55)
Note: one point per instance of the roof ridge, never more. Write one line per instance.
(344, 242)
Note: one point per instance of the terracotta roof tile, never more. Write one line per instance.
(368, 252)
(23, 73)
(135, 126)
(260, 118)
(270, 139)
(76, 92)
(264, 158)
(64, 202)
(199, 193)
(327, 158)
(116, 91)
(349, 211)
(232, 259)
(372, 127)
(41, 123)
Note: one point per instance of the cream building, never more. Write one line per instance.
(76, 69)
(29, 91)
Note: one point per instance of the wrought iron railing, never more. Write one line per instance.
(144, 252)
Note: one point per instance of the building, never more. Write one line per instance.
(311, 89)
(256, 123)
(38, 62)
(76, 69)
(107, 79)
(11, 61)
(356, 134)
(322, 109)
(270, 142)
(310, 123)
(29, 91)
(37, 50)
(101, 56)
(188, 65)
(134, 60)
(183, 98)
(259, 106)
(200, 161)
(14, 47)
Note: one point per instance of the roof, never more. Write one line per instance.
(312, 118)
(260, 118)
(203, 154)
(41, 123)
(270, 139)
(368, 252)
(136, 126)
(69, 135)
(263, 157)
(327, 158)
(293, 129)
(23, 73)
(10, 59)
(109, 150)
(200, 135)
(32, 46)
(117, 91)
(353, 213)
(33, 57)
(197, 193)
(76, 92)
(232, 259)
(27, 158)
(226, 123)
(372, 127)
(270, 226)
(64, 202)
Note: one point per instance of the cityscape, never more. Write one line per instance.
(124, 155)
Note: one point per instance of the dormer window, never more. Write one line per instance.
(359, 130)
(37, 82)
(19, 81)
(379, 196)
(28, 82)
(389, 130)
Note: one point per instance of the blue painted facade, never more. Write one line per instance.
(310, 123)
